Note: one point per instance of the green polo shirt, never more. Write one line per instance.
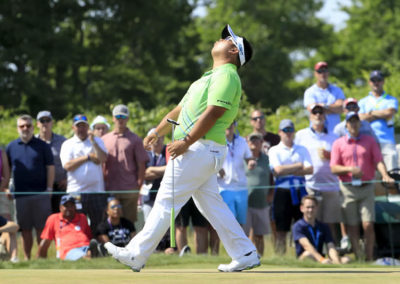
(219, 87)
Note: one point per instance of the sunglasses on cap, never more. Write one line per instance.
(317, 111)
(257, 117)
(80, 117)
(44, 120)
(376, 80)
(288, 129)
(121, 116)
(322, 70)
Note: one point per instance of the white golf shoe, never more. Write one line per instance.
(248, 261)
(124, 256)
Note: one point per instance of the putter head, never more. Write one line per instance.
(169, 120)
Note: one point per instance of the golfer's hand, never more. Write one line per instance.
(177, 148)
(149, 140)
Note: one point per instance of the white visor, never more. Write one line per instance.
(238, 42)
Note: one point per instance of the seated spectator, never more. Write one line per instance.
(115, 229)
(69, 230)
(8, 239)
(310, 235)
(99, 126)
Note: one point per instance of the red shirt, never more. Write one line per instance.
(125, 152)
(363, 152)
(67, 234)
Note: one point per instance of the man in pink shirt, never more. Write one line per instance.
(354, 158)
(126, 162)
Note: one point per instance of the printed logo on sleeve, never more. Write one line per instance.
(224, 102)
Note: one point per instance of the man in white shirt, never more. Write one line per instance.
(289, 163)
(82, 156)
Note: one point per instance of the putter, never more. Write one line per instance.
(172, 220)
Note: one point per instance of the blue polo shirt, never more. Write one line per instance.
(29, 164)
(383, 129)
(317, 235)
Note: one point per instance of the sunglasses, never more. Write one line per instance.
(25, 126)
(376, 80)
(288, 129)
(120, 116)
(317, 111)
(320, 71)
(352, 106)
(257, 117)
(44, 120)
(116, 206)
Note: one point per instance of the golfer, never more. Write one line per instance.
(208, 108)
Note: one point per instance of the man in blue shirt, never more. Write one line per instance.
(32, 168)
(322, 92)
(379, 109)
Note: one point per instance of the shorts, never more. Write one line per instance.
(5, 205)
(32, 211)
(284, 211)
(358, 203)
(237, 201)
(76, 253)
(189, 210)
(258, 219)
(129, 205)
(329, 205)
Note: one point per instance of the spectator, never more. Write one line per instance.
(32, 168)
(45, 124)
(257, 223)
(100, 126)
(114, 229)
(257, 121)
(289, 163)
(8, 239)
(354, 159)
(321, 183)
(126, 162)
(69, 230)
(5, 196)
(310, 235)
(232, 177)
(379, 108)
(82, 156)
(340, 130)
(322, 92)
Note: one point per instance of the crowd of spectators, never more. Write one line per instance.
(319, 179)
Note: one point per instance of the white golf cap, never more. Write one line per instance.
(244, 47)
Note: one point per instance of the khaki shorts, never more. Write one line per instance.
(358, 203)
(329, 205)
(258, 219)
(129, 205)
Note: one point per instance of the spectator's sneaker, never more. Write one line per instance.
(93, 248)
(14, 260)
(185, 250)
(345, 244)
(248, 261)
(124, 256)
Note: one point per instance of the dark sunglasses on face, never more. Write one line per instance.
(44, 120)
(118, 206)
(120, 116)
(352, 106)
(288, 130)
(257, 117)
(376, 80)
(25, 126)
(320, 71)
(317, 111)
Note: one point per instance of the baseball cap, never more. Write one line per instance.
(244, 47)
(351, 114)
(319, 65)
(285, 123)
(313, 106)
(80, 118)
(67, 198)
(120, 110)
(99, 120)
(44, 113)
(255, 135)
(376, 74)
(349, 100)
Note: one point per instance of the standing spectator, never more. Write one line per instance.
(322, 92)
(100, 126)
(5, 195)
(45, 125)
(8, 238)
(379, 109)
(321, 183)
(354, 159)
(257, 121)
(232, 177)
(310, 235)
(257, 223)
(126, 162)
(82, 156)
(32, 168)
(289, 163)
(69, 230)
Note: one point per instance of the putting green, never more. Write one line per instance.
(262, 274)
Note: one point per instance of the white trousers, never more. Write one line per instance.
(195, 176)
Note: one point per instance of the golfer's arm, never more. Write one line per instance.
(206, 121)
(308, 247)
(43, 248)
(164, 127)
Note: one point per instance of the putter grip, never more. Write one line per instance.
(172, 228)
